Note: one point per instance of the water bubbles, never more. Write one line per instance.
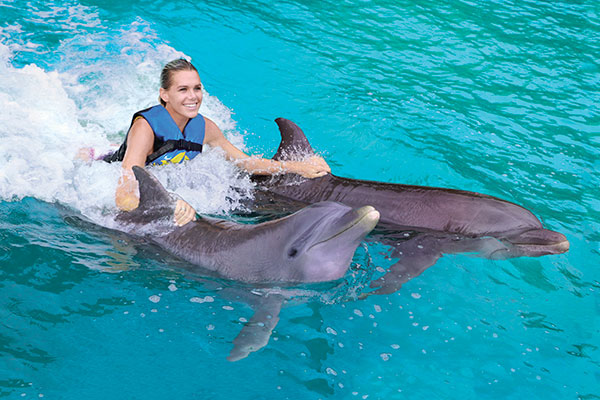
(172, 287)
(205, 299)
(154, 298)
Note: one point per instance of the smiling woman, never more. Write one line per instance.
(174, 132)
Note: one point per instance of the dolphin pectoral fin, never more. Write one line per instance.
(256, 333)
(409, 267)
(415, 255)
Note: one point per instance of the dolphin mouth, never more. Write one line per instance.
(537, 242)
(547, 248)
(367, 216)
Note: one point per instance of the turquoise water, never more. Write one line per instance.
(497, 97)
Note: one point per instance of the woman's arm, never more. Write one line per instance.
(311, 168)
(140, 142)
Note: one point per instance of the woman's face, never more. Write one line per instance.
(184, 96)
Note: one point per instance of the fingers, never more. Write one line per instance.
(320, 163)
(129, 203)
(317, 167)
(314, 173)
(313, 167)
(184, 213)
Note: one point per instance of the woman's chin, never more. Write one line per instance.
(188, 113)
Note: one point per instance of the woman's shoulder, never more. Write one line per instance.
(140, 126)
(211, 126)
(212, 134)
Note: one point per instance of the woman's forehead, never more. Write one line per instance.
(185, 78)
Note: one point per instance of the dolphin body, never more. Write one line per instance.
(436, 220)
(315, 244)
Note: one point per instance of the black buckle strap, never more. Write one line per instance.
(173, 144)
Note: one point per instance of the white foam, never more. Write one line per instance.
(87, 99)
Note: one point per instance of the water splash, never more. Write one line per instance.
(86, 100)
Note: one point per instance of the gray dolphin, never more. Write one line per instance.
(440, 220)
(315, 244)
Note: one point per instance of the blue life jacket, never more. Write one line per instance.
(170, 144)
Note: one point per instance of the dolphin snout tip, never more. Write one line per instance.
(564, 246)
(558, 242)
(370, 214)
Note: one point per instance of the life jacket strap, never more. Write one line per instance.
(174, 144)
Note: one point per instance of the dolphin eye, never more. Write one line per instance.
(292, 253)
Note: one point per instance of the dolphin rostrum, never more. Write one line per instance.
(447, 219)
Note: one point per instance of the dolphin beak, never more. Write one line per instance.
(540, 242)
(370, 214)
(367, 215)
(365, 218)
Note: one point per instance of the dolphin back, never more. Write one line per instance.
(439, 209)
(152, 192)
(294, 144)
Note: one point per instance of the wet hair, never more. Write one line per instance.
(171, 67)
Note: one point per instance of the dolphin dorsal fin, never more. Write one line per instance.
(152, 192)
(294, 145)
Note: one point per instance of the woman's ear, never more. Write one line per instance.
(164, 95)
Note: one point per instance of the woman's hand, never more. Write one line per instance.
(184, 213)
(127, 195)
(312, 167)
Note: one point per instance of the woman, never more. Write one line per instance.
(174, 131)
